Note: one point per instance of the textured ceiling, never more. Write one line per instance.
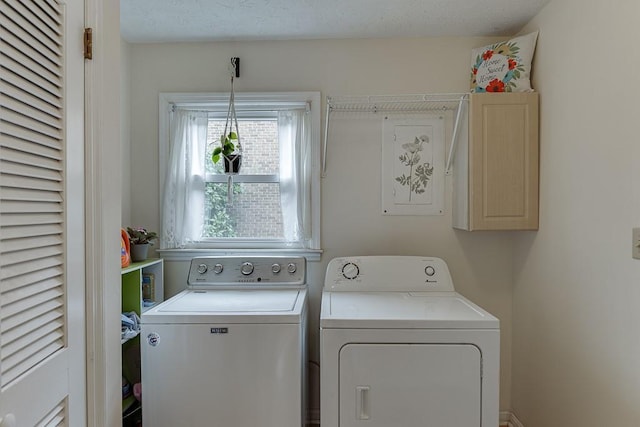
(209, 20)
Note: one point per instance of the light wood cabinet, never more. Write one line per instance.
(496, 169)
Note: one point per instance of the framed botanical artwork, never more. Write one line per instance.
(413, 166)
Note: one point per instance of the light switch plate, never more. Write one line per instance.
(635, 243)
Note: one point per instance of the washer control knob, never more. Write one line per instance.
(429, 271)
(275, 268)
(350, 271)
(218, 268)
(292, 267)
(246, 268)
(202, 268)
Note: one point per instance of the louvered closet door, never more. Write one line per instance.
(42, 368)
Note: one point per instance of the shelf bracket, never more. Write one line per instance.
(454, 138)
(326, 138)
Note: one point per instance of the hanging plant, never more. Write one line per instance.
(228, 152)
(230, 149)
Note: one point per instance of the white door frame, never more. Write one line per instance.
(103, 212)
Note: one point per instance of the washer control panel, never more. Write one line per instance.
(388, 273)
(210, 272)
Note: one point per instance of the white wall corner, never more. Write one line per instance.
(509, 419)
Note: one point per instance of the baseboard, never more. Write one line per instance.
(509, 419)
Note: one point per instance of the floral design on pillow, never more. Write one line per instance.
(503, 66)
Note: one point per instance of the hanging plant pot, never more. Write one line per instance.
(232, 163)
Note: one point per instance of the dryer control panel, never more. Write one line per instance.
(388, 273)
(232, 271)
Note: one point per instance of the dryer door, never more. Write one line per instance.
(410, 385)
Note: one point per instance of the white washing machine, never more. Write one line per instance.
(230, 350)
(399, 347)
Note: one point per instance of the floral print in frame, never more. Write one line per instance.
(413, 166)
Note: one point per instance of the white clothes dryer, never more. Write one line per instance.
(399, 347)
(231, 349)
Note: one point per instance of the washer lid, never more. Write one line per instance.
(423, 310)
(237, 306)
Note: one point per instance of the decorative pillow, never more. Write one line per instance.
(503, 66)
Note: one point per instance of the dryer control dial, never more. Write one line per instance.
(246, 268)
(202, 268)
(218, 268)
(429, 270)
(292, 268)
(350, 271)
(275, 268)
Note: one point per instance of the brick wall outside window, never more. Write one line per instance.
(256, 208)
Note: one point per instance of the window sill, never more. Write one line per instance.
(188, 254)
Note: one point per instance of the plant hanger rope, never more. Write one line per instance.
(232, 118)
(230, 148)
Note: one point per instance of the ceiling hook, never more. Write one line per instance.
(234, 67)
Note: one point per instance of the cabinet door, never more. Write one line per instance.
(42, 215)
(410, 385)
(503, 161)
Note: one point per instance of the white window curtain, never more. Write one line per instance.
(295, 164)
(183, 202)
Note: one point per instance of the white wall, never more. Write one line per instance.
(481, 263)
(125, 130)
(576, 343)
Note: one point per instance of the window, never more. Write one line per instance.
(274, 200)
(254, 210)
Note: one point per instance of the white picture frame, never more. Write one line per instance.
(413, 166)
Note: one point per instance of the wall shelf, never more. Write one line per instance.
(133, 279)
(395, 104)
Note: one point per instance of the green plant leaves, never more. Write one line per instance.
(227, 147)
(215, 157)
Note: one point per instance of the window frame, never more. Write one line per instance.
(260, 101)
